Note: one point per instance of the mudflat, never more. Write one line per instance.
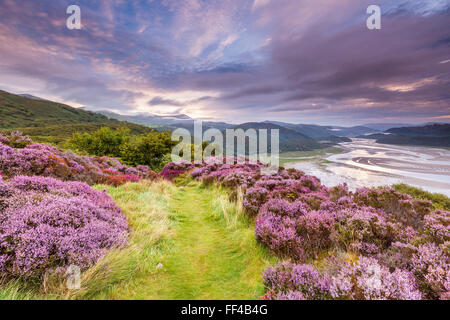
(367, 163)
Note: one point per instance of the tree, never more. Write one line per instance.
(104, 142)
(148, 149)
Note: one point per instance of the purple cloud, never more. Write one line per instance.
(296, 60)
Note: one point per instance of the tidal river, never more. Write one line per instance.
(366, 163)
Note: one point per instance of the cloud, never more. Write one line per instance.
(157, 101)
(160, 101)
(259, 3)
(211, 59)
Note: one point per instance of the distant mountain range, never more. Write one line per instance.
(42, 118)
(290, 140)
(386, 126)
(433, 135)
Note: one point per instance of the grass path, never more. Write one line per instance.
(210, 260)
(211, 252)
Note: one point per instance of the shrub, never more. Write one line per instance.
(439, 201)
(174, 169)
(152, 149)
(15, 140)
(368, 280)
(47, 224)
(254, 198)
(401, 206)
(103, 142)
(289, 281)
(365, 280)
(48, 161)
(365, 230)
(431, 266)
(149, 150)
(437, 226)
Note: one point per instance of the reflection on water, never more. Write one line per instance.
(366, 163)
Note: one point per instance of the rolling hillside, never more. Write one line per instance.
(290, 140)
(166, 122)
(50, 121)
(433, 130)
(434, 135)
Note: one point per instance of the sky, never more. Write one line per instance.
(300, 61)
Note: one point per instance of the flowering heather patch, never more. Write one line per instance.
(402, 240)
(401, 206)
(288, 281)
(15, 140)
(19, 156)
(46, 224)
(174, 169)
(365, 280)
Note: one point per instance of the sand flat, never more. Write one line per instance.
(367, 163)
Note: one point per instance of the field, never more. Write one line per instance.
(288, 157)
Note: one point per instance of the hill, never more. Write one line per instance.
(290, 140)
(51, 121)
(318, 133)
(352, 131)
(147, 119)
(166, 122)
(385, 126)
(434, 135)
(433, 130)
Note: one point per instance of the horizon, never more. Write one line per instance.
(235, 61)
(144, 114)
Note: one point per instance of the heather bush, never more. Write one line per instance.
(400, 206)
(365, 230)
(292, 281)
(317, 230)
(174, 169)
(437, 226)
(32, 159)
(15, 140)
(279, 234)
(431, 265)
(254, 198)
(46, 224)
(368, 280)
(364, 280)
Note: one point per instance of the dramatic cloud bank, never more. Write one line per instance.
(235, 60)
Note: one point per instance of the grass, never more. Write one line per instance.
(211, 254)
(146, 207)
(14, 290)
(297, 156)
(440, 201)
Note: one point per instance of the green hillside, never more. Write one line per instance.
(290, 140)
(53, 122)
